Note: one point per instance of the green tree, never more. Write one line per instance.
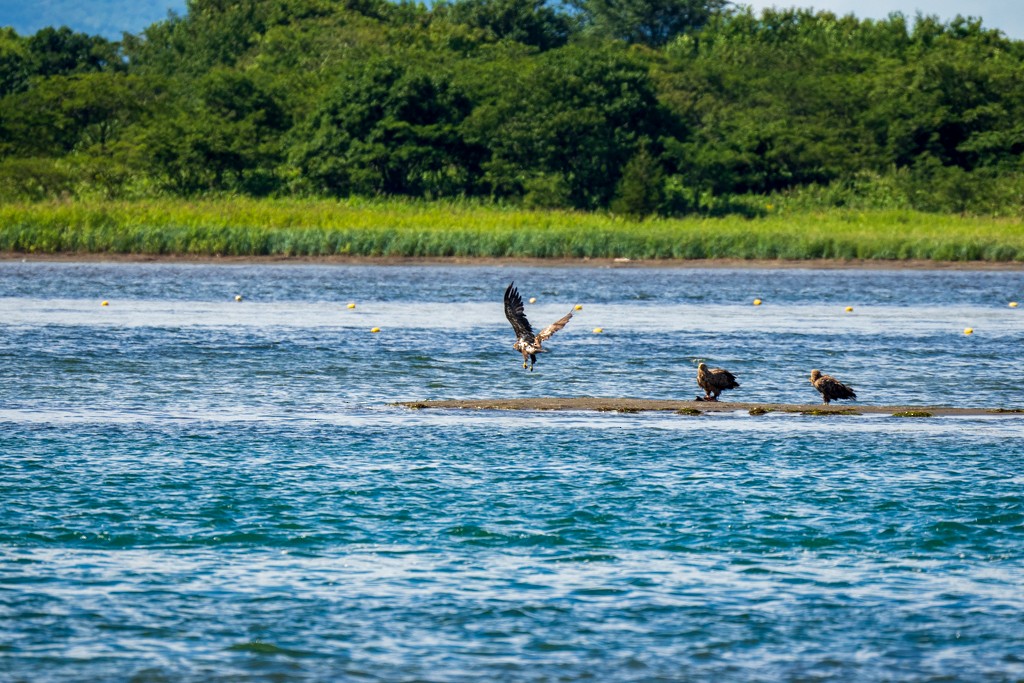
(14, 62)
(388, 129)
(641, 191)
(778, 100)
(66, 114)
(650, 22)
(531, 22)
(959, 101)
(228, 136)
(579, 113)
(61, 51)
(212, 33)
(74, 135)
(670, 105)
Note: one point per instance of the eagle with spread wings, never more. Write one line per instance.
(528, 343)
(830, 388)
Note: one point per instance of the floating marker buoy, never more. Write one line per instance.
(849, 309)
(351, 306)
(375, 330)
(105, 303)
(533, 299)
(1013, 304)
(598, 330)
(238, 297)
(579, 307)
(757, 302)
(968, 330)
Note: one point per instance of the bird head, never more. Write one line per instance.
(702, 366)
(815, 374)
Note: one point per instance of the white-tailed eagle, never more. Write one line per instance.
(830, 388)
(528, 343)
(714, 381)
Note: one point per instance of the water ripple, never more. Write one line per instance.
(194, 488)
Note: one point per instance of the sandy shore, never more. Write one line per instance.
(636, 405)
(860, 264)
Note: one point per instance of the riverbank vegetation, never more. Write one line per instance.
(416, 228)
(479, 109)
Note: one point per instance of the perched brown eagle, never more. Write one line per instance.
(829, 387)
(714, 381)
(527, 342)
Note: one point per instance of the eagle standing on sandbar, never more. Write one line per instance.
(714, 381)
(830, 388)
(527, 342)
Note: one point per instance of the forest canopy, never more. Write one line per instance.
(665, 107)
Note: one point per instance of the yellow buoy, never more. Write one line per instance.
(849, 309)
(1013, 304)
(375, 330)
(757, 302)
(238, 297)
(579, 307)
(351, 305)
(968, 330)
(105, 303)
(598, 330)
(533, 299)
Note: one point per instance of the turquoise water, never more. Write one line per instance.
(194, 488)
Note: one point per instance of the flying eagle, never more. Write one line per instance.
(714, 381)
(527, 342)
(830, 388)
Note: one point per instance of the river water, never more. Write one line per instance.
(198, 488)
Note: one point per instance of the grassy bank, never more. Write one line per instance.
(246, 227)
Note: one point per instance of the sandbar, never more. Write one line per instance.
(637, 405)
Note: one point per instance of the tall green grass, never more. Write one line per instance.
(248, 227)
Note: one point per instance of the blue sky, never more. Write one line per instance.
(1005, 15)
(108, 18)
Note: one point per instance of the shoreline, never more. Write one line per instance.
(475, 261)
(695, 408)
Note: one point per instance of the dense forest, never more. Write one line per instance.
(665, 107)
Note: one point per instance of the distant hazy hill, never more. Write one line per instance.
(108, 18)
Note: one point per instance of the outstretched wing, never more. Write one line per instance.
(515, 314)
(554, 327)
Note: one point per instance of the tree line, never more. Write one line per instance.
(647, 107)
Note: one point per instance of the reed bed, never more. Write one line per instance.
(394, 228)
